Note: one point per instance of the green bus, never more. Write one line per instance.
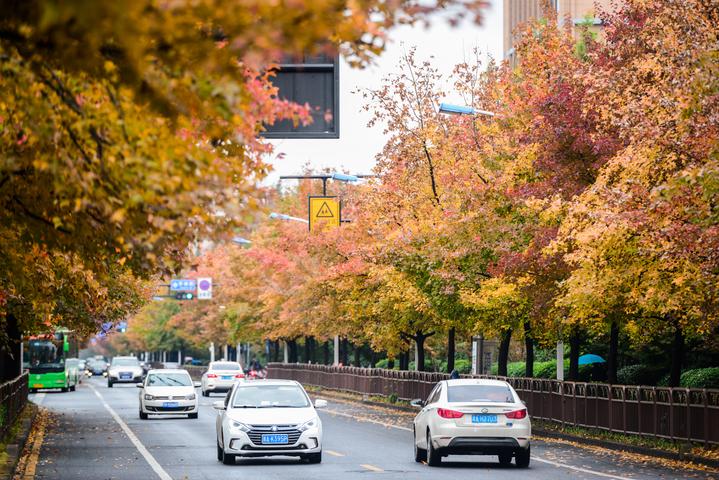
(44, 357)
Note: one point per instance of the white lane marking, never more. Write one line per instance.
(334, 454)
(362, 419)
(534, 457)
(371, 468)
(579, 469)
(39, 398)
(135, 441)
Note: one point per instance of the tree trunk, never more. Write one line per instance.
(358, 353)
(10, 360)
(277, 350)
(308, 350)
(372, 358)
(326, 353)
(390, 364)
(529, 347)
(404, 360)
(575, 342)
(419, 343)
(503, 353)
(345, 352)
(292, 354)
(450, 350)
(613, 351)
(675, 372)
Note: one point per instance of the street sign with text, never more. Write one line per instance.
(183, 285)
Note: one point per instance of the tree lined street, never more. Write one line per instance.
(84, 441)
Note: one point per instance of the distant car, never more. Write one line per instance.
(220, 376)
(95, 367)
(124, 370)
(172, 365)
(73, 371)
(168, 392)
(472, 417)
(267, 418)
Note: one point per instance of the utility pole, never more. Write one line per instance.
(336, 360)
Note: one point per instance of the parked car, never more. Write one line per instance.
(124, 370)
(267, 418)
(168, 392)
(472, 417)
(220, 376)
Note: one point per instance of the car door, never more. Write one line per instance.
(421, 420)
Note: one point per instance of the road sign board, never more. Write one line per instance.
(183, 285)
(324, 212)
(204, 289)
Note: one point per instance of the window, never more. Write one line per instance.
(480, 393)
(312, 79)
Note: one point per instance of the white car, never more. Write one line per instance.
(124, 370)
(220, 376)
(472, 417)
(168, 392)
(266, 418)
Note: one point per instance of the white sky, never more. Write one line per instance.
(358, 144)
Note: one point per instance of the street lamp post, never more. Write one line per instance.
(450, 109)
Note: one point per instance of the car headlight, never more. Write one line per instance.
(239, 426)
(190, 396)
(149, 397)
(314, 423)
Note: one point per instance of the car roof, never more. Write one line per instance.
(125, 356)
(476, 381)
(224, 361)
(168, 370)
(268, 382)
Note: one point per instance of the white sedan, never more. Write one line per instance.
(168, 392)
(220, 376)
(472, 417)
(266, 418)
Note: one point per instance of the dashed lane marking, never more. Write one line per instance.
(135, 441)
(334, 454)
(371, 468)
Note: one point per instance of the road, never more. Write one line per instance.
(95, 433)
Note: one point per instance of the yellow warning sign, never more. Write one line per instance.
(324, 212)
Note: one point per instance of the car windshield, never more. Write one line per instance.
(169, 380)
(125, 362)
(225, 366)
(480, 393)
(270, 396)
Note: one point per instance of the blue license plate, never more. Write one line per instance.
(125, 376)
(227, 377)
(484, 418)
(275, 439)
(169, 404)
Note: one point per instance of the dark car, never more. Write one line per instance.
(95, 367)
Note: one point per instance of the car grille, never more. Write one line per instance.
(168, 409)
(256, 432)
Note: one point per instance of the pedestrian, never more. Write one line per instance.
(454, 375)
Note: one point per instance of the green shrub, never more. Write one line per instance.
(463, 365)
(546, 369)
(700, 378)
(382, 363)
(638, 375)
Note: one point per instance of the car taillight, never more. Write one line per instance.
(240, 375)
(211, 375)
(517, 414)
(447, 413)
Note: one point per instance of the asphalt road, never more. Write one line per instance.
(95, 433)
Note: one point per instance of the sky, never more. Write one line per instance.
(358, 144)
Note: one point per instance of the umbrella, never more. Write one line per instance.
(590, 358)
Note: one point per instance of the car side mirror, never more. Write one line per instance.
(139, 385)
(197, 384)
(218, 405)
(417, 403)
(320, 403)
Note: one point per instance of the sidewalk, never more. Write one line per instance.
(19, 434)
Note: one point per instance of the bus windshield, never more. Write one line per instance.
(45, 355)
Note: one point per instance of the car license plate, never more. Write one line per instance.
(169, 404)
(484, 418)
(227, 377)
(275, 438)
(125, 376)
(37, 385)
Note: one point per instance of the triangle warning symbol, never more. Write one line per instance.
(325, 211)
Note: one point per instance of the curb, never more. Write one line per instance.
(15, 447)
(609, 445)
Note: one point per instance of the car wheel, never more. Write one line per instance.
(205, 394)
(505, 458)
(109, 384)
(314, 457)
(72, 389)
(193, 415)
(219, 453)
(143, 415)
(522, 458)
(228, 458)
(434, 459)
(420, 454)
(63, 389)
(31, 390)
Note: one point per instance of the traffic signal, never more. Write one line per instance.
(184, 296)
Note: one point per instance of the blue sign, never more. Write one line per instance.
(183, 285)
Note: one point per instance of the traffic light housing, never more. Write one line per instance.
(184, 296)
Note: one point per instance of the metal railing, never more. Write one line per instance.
(661, 412)
(13, 398)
